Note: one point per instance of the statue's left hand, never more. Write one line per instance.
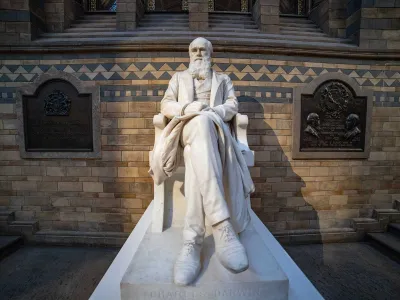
(194, 107)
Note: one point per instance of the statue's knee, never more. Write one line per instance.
(203, 121)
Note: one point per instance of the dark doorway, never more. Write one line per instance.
(168, 5)
(100, 5)
(227, 5)
(293, 7)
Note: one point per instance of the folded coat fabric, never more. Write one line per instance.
(168, 151)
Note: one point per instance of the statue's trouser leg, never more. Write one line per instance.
(204, 191)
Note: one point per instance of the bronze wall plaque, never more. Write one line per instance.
(331, 119)
(58, 118)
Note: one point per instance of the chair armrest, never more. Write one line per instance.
(159, 122)
(240, 123)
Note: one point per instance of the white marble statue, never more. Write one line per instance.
(200, 103)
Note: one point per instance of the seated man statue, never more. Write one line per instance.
(217, 179)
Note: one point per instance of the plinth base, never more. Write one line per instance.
(150, 273)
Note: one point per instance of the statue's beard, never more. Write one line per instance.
(201, 69)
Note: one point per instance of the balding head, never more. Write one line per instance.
(201, 43)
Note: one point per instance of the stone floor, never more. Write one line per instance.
(53, 273)
(339, 271)
(348, 271)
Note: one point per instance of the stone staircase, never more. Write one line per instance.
(12, 232)
(389, 241)
(238, 28)
(93, 23)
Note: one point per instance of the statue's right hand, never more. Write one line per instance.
(195, 107)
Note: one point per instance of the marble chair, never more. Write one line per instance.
(169, 199)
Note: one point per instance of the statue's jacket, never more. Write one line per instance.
(168, 150)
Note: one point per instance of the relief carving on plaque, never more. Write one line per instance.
(59, 117)
(331, 119)
(57, 104)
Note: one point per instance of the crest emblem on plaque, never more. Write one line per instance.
(57, 104)
(334, 99)
(332, 118)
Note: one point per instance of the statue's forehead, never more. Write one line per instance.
(199, 43)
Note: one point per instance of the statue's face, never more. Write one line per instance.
(349, 123)
(315, 121)
(198, 51)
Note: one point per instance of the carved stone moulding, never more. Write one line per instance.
(59, 117)
(331, 119)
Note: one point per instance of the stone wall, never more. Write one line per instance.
(15, 21)
(60, 14)
(353, 21)
(380, 24)
(320, 15)
(374, 24)
(110, 194)
(198, 14)
(330, 16)
(266, 15)
(127, 13)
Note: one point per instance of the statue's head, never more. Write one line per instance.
(313, 120)
(352, 121)
(200, 51)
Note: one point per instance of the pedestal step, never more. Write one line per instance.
(9, 244)
(150, 273)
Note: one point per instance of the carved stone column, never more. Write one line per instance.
(374, 24)
(198, 14)
(330, 16)
(60, 14)
(126, 15)
(21, 21)
(266, 15)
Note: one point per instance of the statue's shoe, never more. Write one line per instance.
(187, 266)
(228, 248)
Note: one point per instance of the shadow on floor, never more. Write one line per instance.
(53, 273)
(348, 271)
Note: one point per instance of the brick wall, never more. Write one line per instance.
(374, 24)
(330, 16)
(15, 22)
(127, 13)
(59, 14)
(111, 193)
(198, 14)
(37, 18)
(380, 24)
(353, 21)
(266, 15)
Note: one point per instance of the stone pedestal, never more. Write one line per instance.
(150, 273)
(126, 15)
(198, 14)
(374, 24)
(266, 15)
(60, 14)
(268, 250)
(330, 16)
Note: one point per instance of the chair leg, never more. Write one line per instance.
(158, 208)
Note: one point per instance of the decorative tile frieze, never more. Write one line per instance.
(164, 71)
